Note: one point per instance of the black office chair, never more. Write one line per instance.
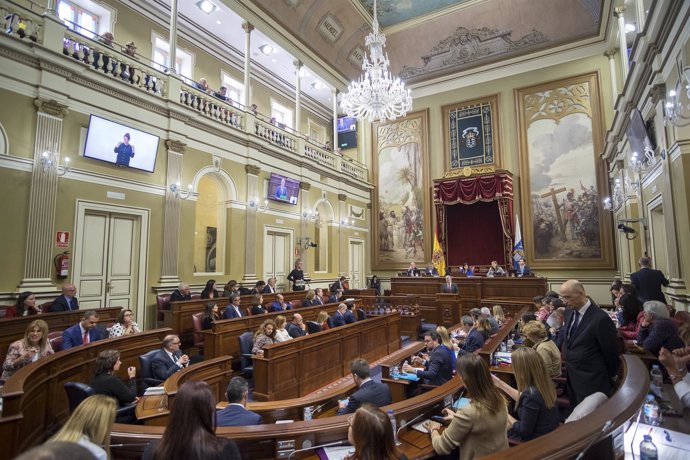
(361, 316)
(313, 327)
(146, 378)
(246, 345)
(78, 392)
(329, 321)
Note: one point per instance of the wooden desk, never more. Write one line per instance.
(12, 329)
(491, 345)
(297, 367)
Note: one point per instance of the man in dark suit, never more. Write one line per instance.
(412, 270)
(318, 298)
(181, 293)
(235, 414)
(169, 358)
(438, 368)
(339, 284)
(280, 304)
(473, 339)
(67, 301)
(296, 328)
(648, 282)
(270, 287)
(339, 316)
(84, 332)
(335, 297)
(590, 347)
(523, 269)
(350, 315)
(449, 287)
(233, 310)
(258, 288)
(369, 391)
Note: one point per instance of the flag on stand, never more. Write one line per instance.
(437, 257)
(518, 249)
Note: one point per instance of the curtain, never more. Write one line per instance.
(474, 234)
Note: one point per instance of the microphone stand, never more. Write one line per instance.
(606, 426)
(330, 444)
(406, 424)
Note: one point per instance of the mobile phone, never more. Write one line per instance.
(438, 418)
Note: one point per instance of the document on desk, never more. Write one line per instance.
(672, 445)
(334, 453)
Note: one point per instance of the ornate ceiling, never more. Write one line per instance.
(427, 39)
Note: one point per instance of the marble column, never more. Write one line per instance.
(334, 94)
(247, 61)
(611, 55)
(250, 242)
(38, 262)
(298, 95)
(305, 222)
(343, 267)
(172, 41)
(171, 229)
(622, 41)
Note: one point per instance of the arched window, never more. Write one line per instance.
(210, 225)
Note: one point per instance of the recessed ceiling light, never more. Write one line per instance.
(630, 27)
(206, 6)
(218, 22)
(317, 85)
(266, 49)
(273, 60)
(304, 73)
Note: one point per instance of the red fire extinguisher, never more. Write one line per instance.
(61, 262)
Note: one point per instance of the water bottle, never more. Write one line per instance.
(511, 344)
(307, 413)
(395, 373)
(648, 449)
(504, 347)
(651, 411)
(656, 375)
(394, 424)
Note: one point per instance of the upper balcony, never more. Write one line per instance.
(101, 60)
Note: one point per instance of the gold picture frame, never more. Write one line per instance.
(563, 180)
(401, 197)
(479, 116)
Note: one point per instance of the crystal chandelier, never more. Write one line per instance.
(376, 95)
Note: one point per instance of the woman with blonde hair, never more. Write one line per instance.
(535, 395)
(309, 299)
(547, 349)
(281, 334)
(264, 336)
(322, 319)
(479, 428)
(90, 425)
(499, 314)
(31, 348)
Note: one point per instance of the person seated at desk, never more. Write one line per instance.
(322, 319)
(555, 324)
(258, 287)
(67, 301)
(236, 414)
(169, 358)
(318, 297)
(281, 334)
(257, 305)
(297, 328)
(106, 383)
(676, 364)
(377, 394)
(25, 306)
(124, 325)
(270, 287)
(438, 367)
(371, 434)
(339, 284)
(499, 314)
(84, 332)
(535, 332)
(447, 344)
(482, 325)
(230, 288)
(412, 270)
(535, 395)
(658, 329)
(449, 287)
(631, 316)
(211, 315)
(336, 296)
(431, 270)
(473, 338)
(338, 318)
(522, 269)
(466, 270)
(493, 322)
(350, 316)
(181, 293)
(375, 284)
(210, 291)
(31, 348)
(190, 432)
(279, 304)
(544, 310)
(495, 270)
(263, 336)
(309, 299)
(234, 310)
(479, 428)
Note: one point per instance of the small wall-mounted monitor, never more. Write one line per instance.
(347, 124)
(283, 189)
(638, 136)
(120, 145)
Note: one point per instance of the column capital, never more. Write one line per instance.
(658, 93)
(297, 63)
(342, 197)
(51, 107)
(618, 11)
(175, 146)
(304, 185)
(611, 53)
(247, 27)
(252, 169)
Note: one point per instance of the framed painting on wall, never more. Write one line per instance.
(471, 135)
(563, 180)
(402, 201)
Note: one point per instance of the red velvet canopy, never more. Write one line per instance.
(470, 231)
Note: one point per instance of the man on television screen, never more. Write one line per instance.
(124, 151)
(281, 191)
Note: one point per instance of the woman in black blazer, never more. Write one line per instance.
(108, 384)
(210, 291)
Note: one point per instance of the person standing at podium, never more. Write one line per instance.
(449, 287)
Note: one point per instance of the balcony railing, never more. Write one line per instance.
(105, 60)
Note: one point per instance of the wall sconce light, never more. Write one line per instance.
(305, 243)
(347, 222)
(677, 112)
(179, 193)
(617, 198)
(640, 165)
(310, 215)
(48, 163)
(256, 204)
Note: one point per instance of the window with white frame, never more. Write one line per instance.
(78, 18)
(184, 60)
(317, 132)
(235, 89)
(282, 114)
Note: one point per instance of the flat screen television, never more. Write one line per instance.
(347, 140)
(347, 124)
(120, 145)
(283, 189)
(638, 136)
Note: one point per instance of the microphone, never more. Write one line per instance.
(319, 407)
(603, 430)
(329, 444)
(406, 424)
(141, 444)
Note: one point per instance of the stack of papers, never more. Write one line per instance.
(150, 391)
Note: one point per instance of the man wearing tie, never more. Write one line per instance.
(82, 333)
(169, 358)
(270, 287)
(590, 348)
(233, 310)
(67, 301)
(449, 287)
(318, 298)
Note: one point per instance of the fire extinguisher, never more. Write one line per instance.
(61, 262)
